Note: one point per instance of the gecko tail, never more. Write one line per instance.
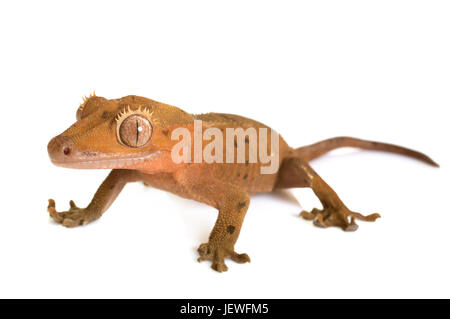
(310, 152)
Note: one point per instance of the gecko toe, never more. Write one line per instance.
(219, 266)
(337, 216)
(240, 258)
(217, 255)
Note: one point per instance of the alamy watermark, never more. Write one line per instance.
(235, 140)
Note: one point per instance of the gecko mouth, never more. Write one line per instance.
(101, 163)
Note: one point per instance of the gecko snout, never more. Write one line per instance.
(60, 148)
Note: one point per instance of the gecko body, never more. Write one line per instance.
(133, 136)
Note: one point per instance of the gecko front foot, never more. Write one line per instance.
(75, 216)
(217, 255)
(339, 217)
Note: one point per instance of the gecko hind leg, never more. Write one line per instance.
(294, 172)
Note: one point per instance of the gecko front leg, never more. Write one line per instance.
(103, 198)
(232, 204)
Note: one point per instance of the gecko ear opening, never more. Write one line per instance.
(134, 131)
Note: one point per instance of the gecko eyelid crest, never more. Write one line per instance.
(134, 127)
(125, 112)
(85, 98)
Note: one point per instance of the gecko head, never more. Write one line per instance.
(131, 132)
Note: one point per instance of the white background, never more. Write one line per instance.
(311, 69)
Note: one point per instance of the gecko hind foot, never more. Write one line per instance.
(217, 256)
(75, 216)
(337, 217)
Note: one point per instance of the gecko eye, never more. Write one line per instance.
(135, 131)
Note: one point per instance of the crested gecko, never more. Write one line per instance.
(133, 136)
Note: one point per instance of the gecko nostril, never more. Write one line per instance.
(66, 150)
